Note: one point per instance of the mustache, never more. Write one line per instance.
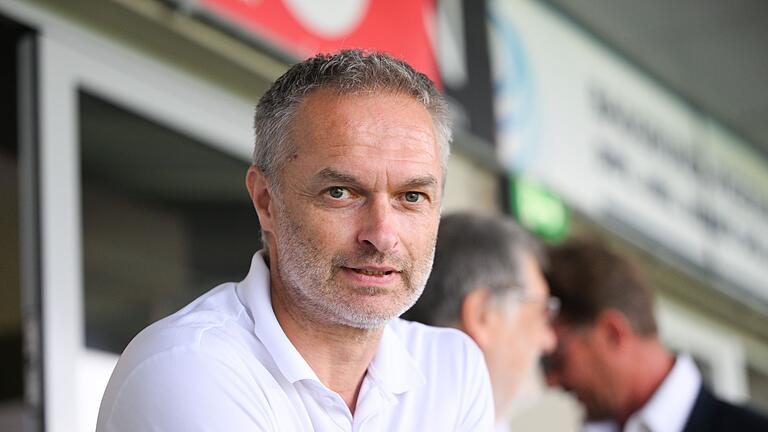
(362, 257)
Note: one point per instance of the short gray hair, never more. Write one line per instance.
(473, 251)
(346, 72)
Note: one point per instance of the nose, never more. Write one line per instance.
(379, 227)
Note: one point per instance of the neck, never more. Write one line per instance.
(338, 354)
(657, 363)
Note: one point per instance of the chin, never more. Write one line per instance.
(363, 318)
(365, 323)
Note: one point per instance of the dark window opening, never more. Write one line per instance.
(165, 218)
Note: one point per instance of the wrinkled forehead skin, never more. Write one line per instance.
(322, 113)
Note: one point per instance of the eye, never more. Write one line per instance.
(414, 197)
(338, 192)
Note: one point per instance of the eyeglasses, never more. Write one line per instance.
(553, 308)
(551, 303)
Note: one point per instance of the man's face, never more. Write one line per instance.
(581, 368)
(358, 208)
(522, 334)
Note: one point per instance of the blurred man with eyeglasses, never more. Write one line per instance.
(487, 281)
(610, 357)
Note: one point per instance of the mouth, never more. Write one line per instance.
(369, 271)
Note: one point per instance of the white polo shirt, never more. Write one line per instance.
(223, 363)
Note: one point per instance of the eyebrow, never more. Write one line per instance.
(331, 175)
(426, 181)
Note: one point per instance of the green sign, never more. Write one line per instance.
(539, 209)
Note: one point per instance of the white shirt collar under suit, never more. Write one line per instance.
(669, 407)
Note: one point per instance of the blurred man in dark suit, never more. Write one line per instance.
(610, 357)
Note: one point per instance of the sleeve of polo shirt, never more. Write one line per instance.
(186, 390)
(478, 413)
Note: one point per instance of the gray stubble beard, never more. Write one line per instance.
(308, 281)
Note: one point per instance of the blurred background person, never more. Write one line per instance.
(487, 281)
(610, 357)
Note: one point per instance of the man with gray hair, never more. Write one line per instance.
(347, 180)
(486, 280)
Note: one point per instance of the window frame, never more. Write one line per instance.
(70, 59)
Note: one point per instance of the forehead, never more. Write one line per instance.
(562, 326)
(393, 127)
(568, 330)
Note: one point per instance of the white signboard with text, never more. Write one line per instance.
(626, 152)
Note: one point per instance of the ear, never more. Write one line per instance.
(261, 198)
(613, 329)
(478, 318)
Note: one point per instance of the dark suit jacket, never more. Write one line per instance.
(710, 414)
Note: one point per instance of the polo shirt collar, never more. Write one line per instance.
(392, 368)
(255, 295)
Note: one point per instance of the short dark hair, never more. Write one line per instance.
(473, 251)
(589, 278)
(346, 72)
